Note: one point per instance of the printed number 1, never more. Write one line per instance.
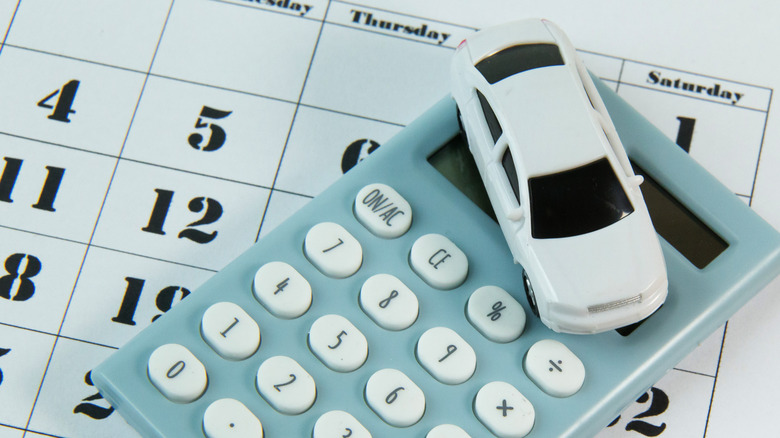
(685, 132)
(64, 106)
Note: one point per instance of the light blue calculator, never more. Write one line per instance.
(390, 306)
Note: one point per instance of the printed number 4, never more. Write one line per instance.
(64, 106)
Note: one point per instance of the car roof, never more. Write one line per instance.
(544, 112)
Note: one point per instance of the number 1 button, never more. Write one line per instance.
(334, 251)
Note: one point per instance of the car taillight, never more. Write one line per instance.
(461, 45)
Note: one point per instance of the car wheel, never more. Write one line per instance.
(529, 294)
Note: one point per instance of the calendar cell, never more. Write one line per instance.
(122, 34)
(68, 403)
(281, 206)
(209, 131)
(37, 275)
(605, 67)
(244, 49)
(725, 139)
(51, 190)
(72, 103)
(179, 216)
(9, 432)
(23, 357)
(6, 13)
(380, 77)
(118, 295)
(323, 145)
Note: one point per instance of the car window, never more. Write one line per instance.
(577, 201)
(511, 173)
(490, 118)
(517, 59)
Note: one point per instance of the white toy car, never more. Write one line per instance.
(560, 182)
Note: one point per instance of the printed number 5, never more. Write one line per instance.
(218, 135)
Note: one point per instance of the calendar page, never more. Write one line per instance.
(145, 144)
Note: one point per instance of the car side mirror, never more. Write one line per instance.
(515, 214)
(636, 180)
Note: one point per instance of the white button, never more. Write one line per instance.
(230, 331)
(504, 410)
(334, 251)
(282, 290)
(229, 418)
(338, 343)
(439, 262)
(395, 398)
(554, 368)
(285, 385)
(383, 211)
(447, 431)
(496, 315)
(445, 355)
(388, 302)
(335, 424)
(177, 373)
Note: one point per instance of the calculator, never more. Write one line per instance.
(390, 306)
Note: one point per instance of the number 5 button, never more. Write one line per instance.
(338, 343)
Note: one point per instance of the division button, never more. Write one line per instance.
(229, 418)
(338, 343)
(285, 385)
(496, 315)
(333, 250)
(554, 368)
(177, 373)
(504, 410)
(282, 290)
(339, 424)
(383, 211)
(389, 302)
(446, 356)
(438, 261)
(395, 398)
(447, 431)
(230, 331)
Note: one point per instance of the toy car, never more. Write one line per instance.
(558, 178)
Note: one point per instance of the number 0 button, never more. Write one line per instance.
(395, 398)
(285, 385)
(177, 373)
(334, 251)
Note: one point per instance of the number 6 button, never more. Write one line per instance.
(177, 373)
(285, 385)
(395, 398)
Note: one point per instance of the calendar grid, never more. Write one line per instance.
(97, 221)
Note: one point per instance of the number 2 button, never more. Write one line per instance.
(285, 385)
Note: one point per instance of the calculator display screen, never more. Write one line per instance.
(679, 226)
(688, 234)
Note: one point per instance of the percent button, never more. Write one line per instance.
(495, 314)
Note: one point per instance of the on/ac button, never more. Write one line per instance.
(383, 211)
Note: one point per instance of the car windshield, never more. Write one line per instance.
(517, 59)
(576, 201)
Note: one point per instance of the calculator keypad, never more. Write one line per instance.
(339, 424)
(338, 343)
(439, 262)
(282, 290)
(230, 331)
(285, 385)
(333, 250)
(395, 397)
(389, 302)
(229, 418)
(446, 356)
(504, 410)
(177, 373)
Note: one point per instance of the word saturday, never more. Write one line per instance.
(715, 90)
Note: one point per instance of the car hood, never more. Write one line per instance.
(614, 263)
